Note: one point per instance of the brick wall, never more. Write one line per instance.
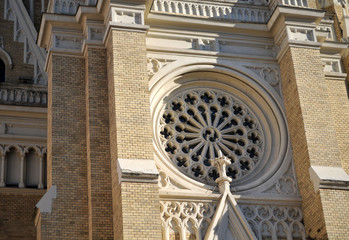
(336, 213)
(316, 111)
(311, 204)
(338, 98)
(67, 164)
(131, 135)
(98, 146)
(17, 214)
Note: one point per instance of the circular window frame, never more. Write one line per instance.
(245, 89)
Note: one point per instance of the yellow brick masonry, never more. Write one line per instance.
(309, 118)
(98, 146)
(311, 203)
(67, 164)
(336, 213)
(338, 98)
(135, 205)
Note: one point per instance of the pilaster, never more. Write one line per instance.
(67, 217)
(97, 133)
(135, 190)
(309, 114)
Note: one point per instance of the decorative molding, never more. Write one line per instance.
(269, 74)
(22, 96)
(68, 7)
(2, 42)
(274, 222)
(67, 41)
(166, 182)
(155, 64)
(186, 219)
(127, 16)
(219, 12)
(301, 33)
(286, 184)
(332, 65)
(234, 46)
(206, 44)
(328, 29)
(96, 33)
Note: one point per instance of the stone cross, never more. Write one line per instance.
(221, 163)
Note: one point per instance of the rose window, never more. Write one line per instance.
(196, 124)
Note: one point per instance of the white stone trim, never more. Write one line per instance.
(137, 170)
(253, 13)
(329, 177)
(162, 83)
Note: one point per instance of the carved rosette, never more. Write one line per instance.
(197, 124)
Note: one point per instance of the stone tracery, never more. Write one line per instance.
(197, 124)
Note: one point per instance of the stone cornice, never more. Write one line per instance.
(295, 27)
(67, 34)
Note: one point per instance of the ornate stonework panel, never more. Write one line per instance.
(197, 124)
(155, 64)
(269, 74)
(186, 220)
(274, 222)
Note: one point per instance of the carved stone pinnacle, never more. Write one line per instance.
(221, 163)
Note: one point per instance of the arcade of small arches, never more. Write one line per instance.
(23, 166)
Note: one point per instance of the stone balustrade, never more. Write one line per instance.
(23, 95)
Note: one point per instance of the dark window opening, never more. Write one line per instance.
(2, 71)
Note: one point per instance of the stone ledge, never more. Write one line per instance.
(137, 170)
(329, 178)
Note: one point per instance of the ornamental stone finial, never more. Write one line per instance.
(221, 163)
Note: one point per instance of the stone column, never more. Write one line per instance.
(22, 170)
(2, 169)
(135, 190)
(309, 116)
(41, 171)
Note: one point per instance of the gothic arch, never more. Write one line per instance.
(6, 58)
(257, 96)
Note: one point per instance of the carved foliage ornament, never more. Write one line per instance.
(197, 124)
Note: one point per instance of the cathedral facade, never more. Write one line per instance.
(174, 119)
